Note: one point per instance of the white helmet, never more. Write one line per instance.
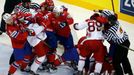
(6, 17)
(58, 9)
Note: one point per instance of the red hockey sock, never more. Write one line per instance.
(51, 58)
(14, 66)
(58, 61)
(25, 62)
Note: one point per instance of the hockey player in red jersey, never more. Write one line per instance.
(38, 24)
(24, 7)
(21, 48)
(92, 42)
(60, 23)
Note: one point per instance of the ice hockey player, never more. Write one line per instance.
(63, 33)
(38, 41)
(21, 48)
(24, 7)
(59, 23)
(91, 43)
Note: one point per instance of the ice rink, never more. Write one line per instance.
(79, 14)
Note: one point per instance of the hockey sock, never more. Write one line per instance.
(14, 66)
(51, 58)
(81, 63)
(58, 61)
(38, 61)
(26, 61)
(98, 67)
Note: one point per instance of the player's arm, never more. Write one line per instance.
(69, 19)
(81, 25)
(16, 34)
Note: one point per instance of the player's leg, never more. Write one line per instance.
(86, 66)
(99, 53)
(117, 58)
(125, 60)
(12, 59)
(27, 57)
(19, 56)
(52, 42)
(84, 52)
(70, 53)
(40, 51)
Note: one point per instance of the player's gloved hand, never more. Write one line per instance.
(75, 24)
(63, 24)
(31, 32)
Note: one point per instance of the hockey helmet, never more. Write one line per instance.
(94, 16)
(109, 14)
(6, 17)
(48, 5)
(49, 2)
(58, 9)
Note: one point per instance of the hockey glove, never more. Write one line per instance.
(30, 31)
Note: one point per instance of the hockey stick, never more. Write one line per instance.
(113, 5)
(127, 48)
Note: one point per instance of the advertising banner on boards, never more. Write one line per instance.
(127, 7)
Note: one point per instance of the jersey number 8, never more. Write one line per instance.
(94, 25)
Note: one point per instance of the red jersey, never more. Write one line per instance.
(41, 20)
(61, 24)
(18, 38)
(49, 17)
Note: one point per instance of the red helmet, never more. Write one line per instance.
(94, 16)
(48, 3)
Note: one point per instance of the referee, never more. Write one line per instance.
(117, 38)
(25, 6)
(8, 8)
